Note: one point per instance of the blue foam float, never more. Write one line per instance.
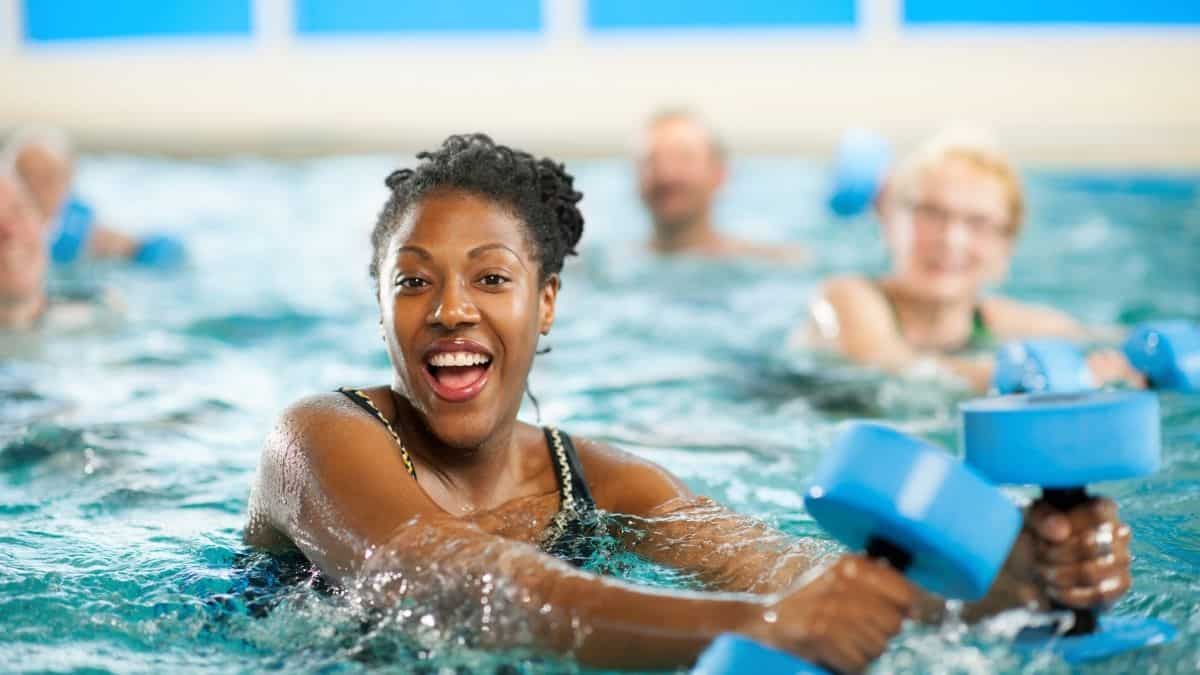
(878, 482)
(1064, 442)
(1167, 353)
(859, 171)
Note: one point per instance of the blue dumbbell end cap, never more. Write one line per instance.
(1062, 440)
(160, 251)
(1167, 353)
(1116, 635)
(859, 170)
(731, 654)
(72, 231)
(879, 482)
(1042, 365)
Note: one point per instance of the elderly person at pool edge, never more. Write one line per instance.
(23, 257)
(429, 489)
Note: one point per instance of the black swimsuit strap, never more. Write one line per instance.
(572, 487)
(363, 401)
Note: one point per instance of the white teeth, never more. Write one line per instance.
(444, 359)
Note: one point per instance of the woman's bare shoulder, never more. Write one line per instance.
(309, 435)
(622, 482)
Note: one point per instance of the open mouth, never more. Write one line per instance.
(457, 375)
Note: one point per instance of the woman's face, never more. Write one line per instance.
(461, 310)
(953, 235)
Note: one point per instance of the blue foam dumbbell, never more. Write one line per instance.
(1064, 442)
(904, 501)
(860, 168)
(1167, 353)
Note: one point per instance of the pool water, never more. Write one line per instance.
(126, 454)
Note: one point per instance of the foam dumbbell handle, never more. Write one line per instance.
(1063, 500)
(883, 549)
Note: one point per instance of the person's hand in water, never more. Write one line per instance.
(1109, 366)
(1079, 559)
(842, 618)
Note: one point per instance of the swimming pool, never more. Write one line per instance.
(126, 457)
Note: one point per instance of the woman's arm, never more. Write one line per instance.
(659, 519)
(331, 482)
(851, 316)
(1080, 558)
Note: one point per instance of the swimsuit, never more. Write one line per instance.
(980, 339)
(572, 534)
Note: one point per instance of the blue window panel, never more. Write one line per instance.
(332, 17)
(1052, 11)
(716, 14)
(61, 20)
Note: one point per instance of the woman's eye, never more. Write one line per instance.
(411, 282)
(492, 279)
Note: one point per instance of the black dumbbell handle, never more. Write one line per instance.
(884, 549)
(1065, 499)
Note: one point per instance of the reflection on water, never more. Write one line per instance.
(126, 457)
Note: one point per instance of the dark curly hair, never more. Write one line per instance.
(538, 191)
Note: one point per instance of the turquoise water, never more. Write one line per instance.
(126, 456)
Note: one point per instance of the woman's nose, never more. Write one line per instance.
(454, 307)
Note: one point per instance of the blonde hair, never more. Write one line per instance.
(976, 147)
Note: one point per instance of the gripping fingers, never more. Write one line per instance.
(1087, 573)
(843, 654)
(1102, 594)
(1104, 540)
(886, 583)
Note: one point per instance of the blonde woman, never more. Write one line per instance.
(950, 214)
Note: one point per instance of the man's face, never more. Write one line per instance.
(679, 173)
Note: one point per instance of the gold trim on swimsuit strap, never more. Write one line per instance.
(403, 451)
(564, 468)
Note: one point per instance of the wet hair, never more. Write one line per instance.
(538, 191)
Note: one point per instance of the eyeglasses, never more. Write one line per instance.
(927, 214)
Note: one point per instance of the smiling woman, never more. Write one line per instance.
(430, 491)
(950, 217)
